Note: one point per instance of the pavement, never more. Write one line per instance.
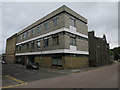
(17, 76)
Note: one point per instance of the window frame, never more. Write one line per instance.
(46, 23)
(39, 28)
(72, 40)
(46, 44)
(55, 40)
(38, 46)
(72, 23)
(56, 19)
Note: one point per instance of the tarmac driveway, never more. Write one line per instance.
(21, 73)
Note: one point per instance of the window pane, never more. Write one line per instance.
(46, 42)
(27, 45)
(72, 22)
(72, 41)
(33, 32)
(39, 28)
(55, 21)
(46, 25)
(56, 40)
(32, 45)
(38, 44)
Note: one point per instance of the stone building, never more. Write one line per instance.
(98, 50)
(9, 55)
(60, 39)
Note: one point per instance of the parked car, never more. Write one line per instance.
(32, 66)
(4, 62)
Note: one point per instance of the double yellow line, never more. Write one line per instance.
(16, 80)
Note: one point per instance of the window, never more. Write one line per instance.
(46, 25)
(72, 22)
(22, 46)
(38, 44)
(55, 21)
(33, 32)
(32, 45)
(56, 40)
(19, 47)
(46, 42)
(72, 41)
(27, 45)
(24, 35)
(28, 33)
(20, 37)
(57, 61)
(39, 28)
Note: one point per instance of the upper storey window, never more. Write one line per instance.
(32, 32)
(72, 22)
(38, 44)
(56, 40)
(20, 37)
(46, 25)
(55, 21)
(46, 42)
(24, 35)
(28, 33)
(39, 28)
(72, 41)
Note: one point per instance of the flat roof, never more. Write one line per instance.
(52, 14)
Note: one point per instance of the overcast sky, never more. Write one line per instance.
(102, 17)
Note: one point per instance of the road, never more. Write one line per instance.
(20, 72)
(106, 77)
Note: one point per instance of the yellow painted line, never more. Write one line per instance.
(16, 80)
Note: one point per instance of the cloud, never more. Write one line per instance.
(102, 17)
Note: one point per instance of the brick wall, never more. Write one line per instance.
(44, 61)
(75, 62)
(10, 49)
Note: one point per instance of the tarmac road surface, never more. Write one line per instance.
(106, 77)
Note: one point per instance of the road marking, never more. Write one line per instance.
(16, 80)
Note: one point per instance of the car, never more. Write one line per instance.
(4, 62)
(32, 66)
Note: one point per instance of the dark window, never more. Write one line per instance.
(46, 42)
(72, 41)
(38, 44)
(22, 47)
(27, 45)
(72, 22)
(19, 48)
(24, 35)
(28, 33)
(55, 21)
(39, 28)
(46, 25)
(57, 61)
(33, 31)
(56, 40)
(32, 45)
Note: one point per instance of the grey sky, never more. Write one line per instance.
(102, 17)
